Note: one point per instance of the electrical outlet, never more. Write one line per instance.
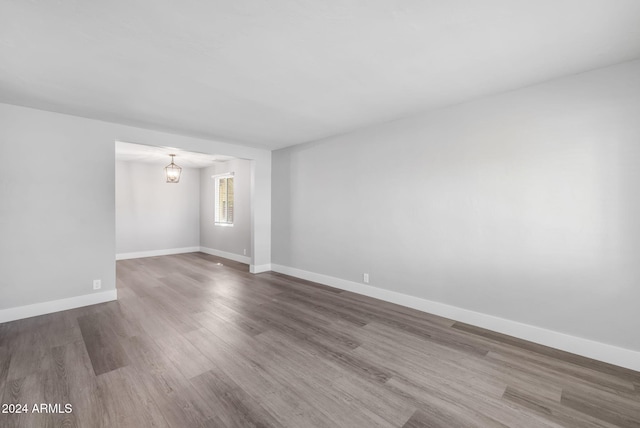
(365, 278)
(97, 284)
(245, 251)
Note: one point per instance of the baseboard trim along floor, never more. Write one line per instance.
(587, 348)
(36, 309)
(226, 255)
(173, 251)
(154, 253)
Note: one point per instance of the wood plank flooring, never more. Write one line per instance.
(197, 341)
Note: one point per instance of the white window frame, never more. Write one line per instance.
(216, 199)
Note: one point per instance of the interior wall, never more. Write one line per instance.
(58, 220)
(152, 214)
(235, 239)
(523, 206)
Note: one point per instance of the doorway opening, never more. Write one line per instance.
(160, 216)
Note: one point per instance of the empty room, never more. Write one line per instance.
(289, 213)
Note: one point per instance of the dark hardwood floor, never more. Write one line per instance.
(197, 341)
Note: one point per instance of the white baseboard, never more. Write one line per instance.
(28, 311)
(260, 268)
(596, 350)
(153, 253)
(226, 255)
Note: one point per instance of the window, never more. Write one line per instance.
(223, 210)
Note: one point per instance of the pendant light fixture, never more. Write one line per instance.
(173, 171)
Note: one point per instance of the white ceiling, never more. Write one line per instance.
(130, 152)
(280, 72)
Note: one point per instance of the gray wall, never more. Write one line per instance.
(229, 239)
(57, 214)
(152, 214)
(523, 205)
(57, 219)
